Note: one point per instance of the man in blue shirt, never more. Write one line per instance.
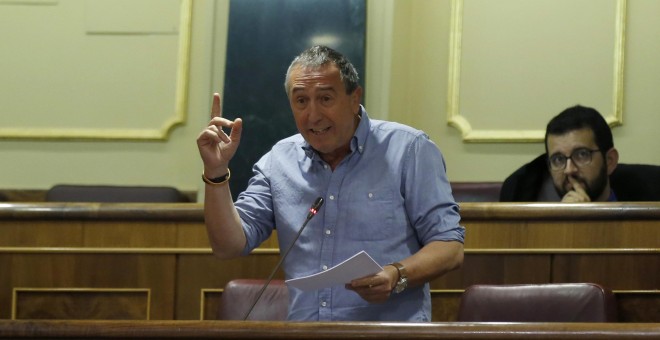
(385, 190)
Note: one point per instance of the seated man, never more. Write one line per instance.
(581, 155)
(580, 165)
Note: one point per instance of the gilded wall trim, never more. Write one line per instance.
(457, 119)
(119, 133)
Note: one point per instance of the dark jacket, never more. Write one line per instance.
(630, 182)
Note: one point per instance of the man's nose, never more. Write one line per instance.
(313, 112)
(570, 167)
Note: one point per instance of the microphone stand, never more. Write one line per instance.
(312, 212)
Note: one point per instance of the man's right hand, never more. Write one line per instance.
(216, 147)
(578, 194)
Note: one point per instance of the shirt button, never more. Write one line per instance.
(328, 232)
(371, 195)
(325, 267)
(323, 303)
(360, 148)
(332, 197)
(325, 166)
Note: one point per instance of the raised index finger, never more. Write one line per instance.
(216, 109)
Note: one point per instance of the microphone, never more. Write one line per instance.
(312, 212)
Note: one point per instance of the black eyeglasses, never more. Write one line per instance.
(580, 157)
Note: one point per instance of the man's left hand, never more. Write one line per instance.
(375, 288)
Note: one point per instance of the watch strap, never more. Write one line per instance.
(401, 269)
(402, 282)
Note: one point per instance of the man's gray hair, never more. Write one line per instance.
(318, 56)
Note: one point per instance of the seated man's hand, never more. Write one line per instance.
(578, 194)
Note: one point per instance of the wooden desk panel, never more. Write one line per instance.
(60, 270)
(632, 271)
(197, 272)
(81, 303)
(164, 248)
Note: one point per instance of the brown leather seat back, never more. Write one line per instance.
(476, 191)
(562, 302)
(240, 294)
(114, 194)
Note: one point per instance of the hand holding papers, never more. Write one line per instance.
(359, 265)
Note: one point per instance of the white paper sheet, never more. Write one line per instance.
(358, 265)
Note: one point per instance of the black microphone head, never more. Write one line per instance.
(318, 203)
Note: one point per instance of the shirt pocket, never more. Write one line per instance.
(374, 214)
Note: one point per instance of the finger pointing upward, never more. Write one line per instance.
(218, 122)
(216, 109)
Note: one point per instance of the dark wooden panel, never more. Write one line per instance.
(143, 234)
(191, 234)
(197, 272)
(548, 233)
(81, 304)
(616, 271)
(497, 269)
(41, 233)
(445, 305)
(210, 304)
(88, 270)
(639, 306)
(163, 246)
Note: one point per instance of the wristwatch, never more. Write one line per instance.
(403, 277)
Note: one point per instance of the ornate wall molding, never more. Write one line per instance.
(136, 118)
(457, 116)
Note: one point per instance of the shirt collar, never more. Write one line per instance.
(362, 131)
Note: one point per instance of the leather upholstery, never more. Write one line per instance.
(476, 191)
(636, 182)
(109, 193)
(560, 302)
(239, 295)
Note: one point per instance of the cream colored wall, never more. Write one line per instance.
(41, 163)
(419, 82)
(407, 77)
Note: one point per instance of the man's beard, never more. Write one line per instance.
(593, 189)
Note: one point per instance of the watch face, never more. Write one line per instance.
(401, 285)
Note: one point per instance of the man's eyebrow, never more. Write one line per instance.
(319, 88)
(327, 88)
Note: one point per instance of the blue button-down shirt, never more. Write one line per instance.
(389, 196)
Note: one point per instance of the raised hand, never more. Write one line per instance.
(216, 147)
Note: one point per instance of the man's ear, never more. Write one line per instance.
(612, 159)
(356, 98)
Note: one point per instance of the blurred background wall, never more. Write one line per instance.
(115, 92)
